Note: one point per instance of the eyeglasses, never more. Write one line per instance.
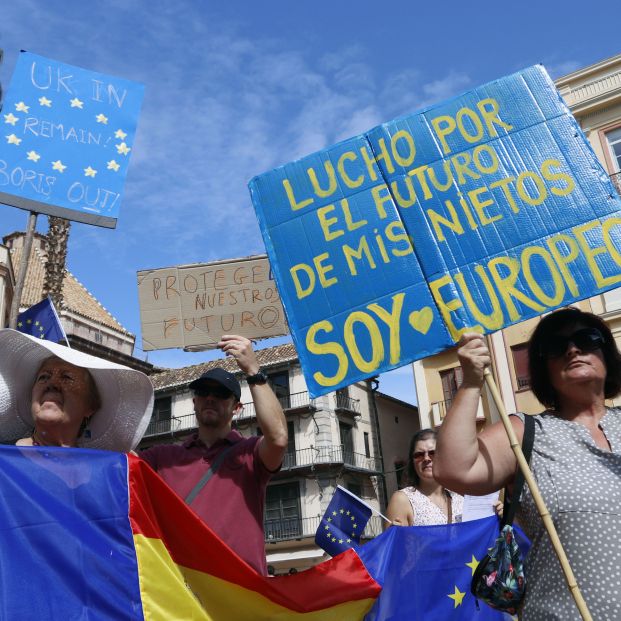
(420, 455)
(585, 339)
(219, 392)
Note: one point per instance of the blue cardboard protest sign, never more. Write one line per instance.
(471, 215)
(67, 138)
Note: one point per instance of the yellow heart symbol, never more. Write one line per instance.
(421, 320)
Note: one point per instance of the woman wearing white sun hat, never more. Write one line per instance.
(51, 395)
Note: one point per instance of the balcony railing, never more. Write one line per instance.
(329, 455)
(616, 181)
(171, 425)
(294, 401)
(593, 90)
(343, 402)
(174, 424)
(298, 528)
(439, 410)
(523, 383)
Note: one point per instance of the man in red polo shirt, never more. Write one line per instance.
(219, 473)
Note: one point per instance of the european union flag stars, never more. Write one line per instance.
(41, 321)
(343, 522)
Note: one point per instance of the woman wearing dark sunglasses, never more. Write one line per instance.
(574, 367)
(424, 502)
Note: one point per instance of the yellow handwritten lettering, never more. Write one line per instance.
(291, 197)
(301, 290)
(326, 223)
(340, 166)
(324, 349)
(405, 137)
(377, 346)
(495, 319)
(392, 320)
(319, 191)
(591, 253)
(559, 287)
(506, 285)
(489, 109)
(447, 307)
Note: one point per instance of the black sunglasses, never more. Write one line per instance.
(420, 455)
(585, 339)
(219, 392)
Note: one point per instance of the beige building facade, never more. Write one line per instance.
(593, 95)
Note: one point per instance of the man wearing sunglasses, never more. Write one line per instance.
(218, 472)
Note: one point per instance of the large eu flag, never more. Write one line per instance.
(426, 571)
(42, 322)
(343, 522)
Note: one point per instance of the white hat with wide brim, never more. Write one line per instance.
(126, 394)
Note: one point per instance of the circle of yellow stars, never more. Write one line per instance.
(38, 327)
(354, 525)
(57, 165)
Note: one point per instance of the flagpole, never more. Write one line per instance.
(366, 504)
(572, 585)
(23, 268)
(58, 320)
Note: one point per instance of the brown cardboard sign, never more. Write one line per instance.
(192, 306)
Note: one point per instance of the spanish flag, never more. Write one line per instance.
(94, 535)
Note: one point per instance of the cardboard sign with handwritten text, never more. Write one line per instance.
(192, 306)
(471, 215)
(67, 137)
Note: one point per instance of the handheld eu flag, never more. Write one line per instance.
(42, 322)
(343, 522)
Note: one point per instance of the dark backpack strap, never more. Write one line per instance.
(512, 501)
(189, 499)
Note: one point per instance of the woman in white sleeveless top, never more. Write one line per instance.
(425, 502)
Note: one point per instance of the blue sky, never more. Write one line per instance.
(235, 88)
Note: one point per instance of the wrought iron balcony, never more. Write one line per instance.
(344, 402)
(174, 424)
(439, 410)
(298, 528)
(523, 383)
(330, 455)
(294, 401)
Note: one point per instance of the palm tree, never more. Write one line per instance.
(57, 239)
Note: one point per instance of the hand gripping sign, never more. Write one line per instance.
(67, 136)
(472, 215)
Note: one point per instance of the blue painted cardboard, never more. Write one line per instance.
(67, 137)
(471, 215)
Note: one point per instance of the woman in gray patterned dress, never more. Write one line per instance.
(576, 460)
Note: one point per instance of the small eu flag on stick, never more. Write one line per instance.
(42, 322)
(343, 522)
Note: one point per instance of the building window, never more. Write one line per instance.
(289, 459)
(367, 447)
(283, 518)
(400, 472)
(280, 385)
(614, 144)
(451, 381)
(520, 362)
(161, 417)
(347, 442)
(355, 488)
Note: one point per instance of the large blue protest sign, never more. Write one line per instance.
(471, 215)
(67, 137)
